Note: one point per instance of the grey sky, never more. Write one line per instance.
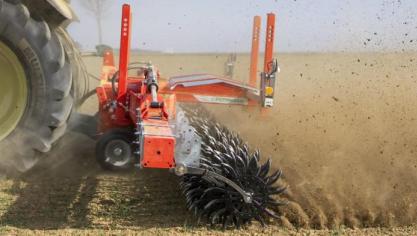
(219, 26)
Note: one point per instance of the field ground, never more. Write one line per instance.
(343, 131)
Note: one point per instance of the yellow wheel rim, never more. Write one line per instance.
(13, 91)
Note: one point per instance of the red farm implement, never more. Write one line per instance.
(141, 124)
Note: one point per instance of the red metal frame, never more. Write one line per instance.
(133, 104)
(253, 76)
(206, 88)
(269, 45)
(108, 69)
(125, 36)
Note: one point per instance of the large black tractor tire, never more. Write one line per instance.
(81, 82)
(51, 91)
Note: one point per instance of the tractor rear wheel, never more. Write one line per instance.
(36, 90)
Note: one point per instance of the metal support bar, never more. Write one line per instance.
(181, 170)
(267, 86)
(124, 50)
(253, 76)
(269, 45)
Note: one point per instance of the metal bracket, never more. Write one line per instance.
(181, 170)
(268, 80)
(139, 137)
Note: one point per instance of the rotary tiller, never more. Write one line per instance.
(141, 124)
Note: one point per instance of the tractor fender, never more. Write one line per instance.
(64, 9)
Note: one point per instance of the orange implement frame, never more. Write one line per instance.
(124, 50)
(253, 76)
(206, 88)
(108, 69)
(134, 102)
(158, 145)
(269, 47)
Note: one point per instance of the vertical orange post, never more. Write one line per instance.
(269, 47)
(253, 76)
(108, 69)
(108, 58)
(124, 50)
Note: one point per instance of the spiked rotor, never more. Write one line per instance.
(225, 154)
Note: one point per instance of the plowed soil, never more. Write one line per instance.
(343, 130)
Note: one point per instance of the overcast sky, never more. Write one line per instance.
(226, 25)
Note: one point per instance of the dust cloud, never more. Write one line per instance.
(344, 132)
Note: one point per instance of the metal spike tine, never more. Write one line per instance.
(261, 180)
(240, 151)
(199, 219)
(273, 178)
(217, 159)
(236, 221)
(246, 149)
(217, 152)
(275, 203)
(230, 170)
(232, 143)
(194, 205)
(278, 191)
(260, 220)
(256, 155)
(208, 212)
(246, 160)
(271, 213)
(224, 153)
(195, 211)
(209, 190)
(224, 222)
(232, 161)
(253, 166)
(192, 191)
(241, 162)
(216, 215)
(265, 169)
(212, 203)
(188, 200)
(231, 150)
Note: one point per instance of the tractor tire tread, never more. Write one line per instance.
(50, 80)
